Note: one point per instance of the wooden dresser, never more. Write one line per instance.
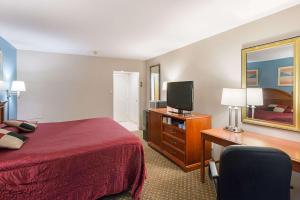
(177, 136)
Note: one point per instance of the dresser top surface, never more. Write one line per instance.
(164, 112)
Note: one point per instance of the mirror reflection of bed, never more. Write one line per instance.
(278, 107)
(271, 68)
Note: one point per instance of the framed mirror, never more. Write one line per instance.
(270, 72)
(155, 83)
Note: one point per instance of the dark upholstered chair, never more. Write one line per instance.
(252, 173)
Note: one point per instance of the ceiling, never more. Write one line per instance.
(134, 29)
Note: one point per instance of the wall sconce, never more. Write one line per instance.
(16, 88)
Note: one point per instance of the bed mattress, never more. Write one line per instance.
(83, 159)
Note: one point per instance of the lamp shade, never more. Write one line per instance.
(165, 86)
(18, 86)
(255, 97)
(234, 97)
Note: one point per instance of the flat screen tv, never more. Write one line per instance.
(180, 95)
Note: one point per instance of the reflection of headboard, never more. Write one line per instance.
(275, 96)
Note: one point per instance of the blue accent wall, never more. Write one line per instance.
(268, 72)
(9, 54)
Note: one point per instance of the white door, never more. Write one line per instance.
(126, 97)
(120, 96)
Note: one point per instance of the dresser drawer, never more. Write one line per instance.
(173, 130)
(173, 151)
(174, 141)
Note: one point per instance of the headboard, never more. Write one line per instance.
(275, 96)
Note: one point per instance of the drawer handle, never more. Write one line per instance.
(174, 142)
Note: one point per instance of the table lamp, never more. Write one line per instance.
(234, 99)
(16, 88)
(254, 98)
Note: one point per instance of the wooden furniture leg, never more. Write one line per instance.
(202, 173)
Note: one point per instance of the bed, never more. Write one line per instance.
(83, 159)
(275, 97)
(285, 117)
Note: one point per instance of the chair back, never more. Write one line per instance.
(254, 173)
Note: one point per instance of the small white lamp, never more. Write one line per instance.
(17, 87)
(254, 98)
(234, 99)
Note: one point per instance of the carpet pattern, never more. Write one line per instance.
(166, 181)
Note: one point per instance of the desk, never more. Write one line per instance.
(226, 138)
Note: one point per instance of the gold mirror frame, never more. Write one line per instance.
(296, 99)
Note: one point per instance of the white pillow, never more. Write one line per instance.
(11, 140)
(272, 105)
(279, 109)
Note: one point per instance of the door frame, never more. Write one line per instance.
(138, 93)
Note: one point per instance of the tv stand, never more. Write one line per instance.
(177, 136)
(180, 112)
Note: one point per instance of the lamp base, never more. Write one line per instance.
(237, 130)
(233, 129)
(228, 128)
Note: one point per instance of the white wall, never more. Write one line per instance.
(65, 87)
(215, 63)
(133, 100)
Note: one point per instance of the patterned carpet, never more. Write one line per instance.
(166, 181)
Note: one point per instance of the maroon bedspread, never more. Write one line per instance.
(273, 116)
(84, 159)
